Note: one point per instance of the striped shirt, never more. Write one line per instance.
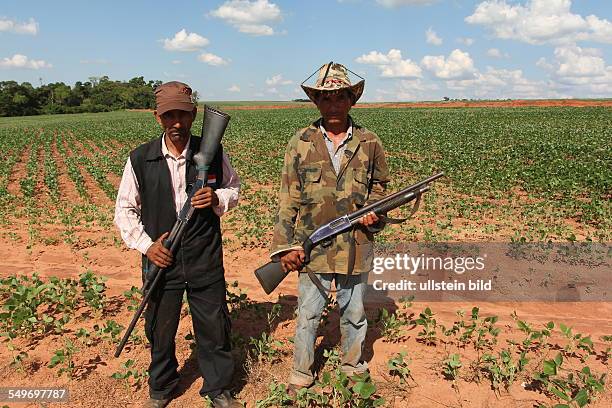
(127, 206)
(336, 154)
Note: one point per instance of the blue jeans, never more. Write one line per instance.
(353, 324)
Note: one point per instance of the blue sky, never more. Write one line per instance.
(262, 49)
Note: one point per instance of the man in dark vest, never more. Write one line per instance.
(154, 187)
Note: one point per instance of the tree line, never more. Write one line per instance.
(98, 94)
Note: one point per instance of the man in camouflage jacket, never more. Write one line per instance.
(331, 168)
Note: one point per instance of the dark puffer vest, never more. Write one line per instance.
(199, 259)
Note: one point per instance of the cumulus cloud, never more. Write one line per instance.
(249, 17)
(391, 65)
(398, 3)
(212, 59)
(176, 62)
(496, 53)
(277, 80)
(544, 64)
(234, 88)
(502, 83)
(540, 22)
(185, 42)
(578, 71)
(432, 37)
(31, 27)
(458, 65)
(407, 90)
(465, 41)
(574, 61)
(21, 61)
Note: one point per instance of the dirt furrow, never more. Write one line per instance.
(90, 150)
(96, 194)
(18, 172)
(68, 191)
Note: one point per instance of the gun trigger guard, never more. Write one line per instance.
(326, 243)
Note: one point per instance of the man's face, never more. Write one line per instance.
(334, 107)
(177, 124)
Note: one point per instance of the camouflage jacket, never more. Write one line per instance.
(312, 194)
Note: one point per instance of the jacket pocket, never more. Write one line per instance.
(360, 187)
(310, 179)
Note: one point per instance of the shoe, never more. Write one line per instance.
(156, 403)
(225, 400)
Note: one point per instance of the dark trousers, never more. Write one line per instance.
(211, 325)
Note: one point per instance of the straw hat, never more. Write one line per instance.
(333, 77)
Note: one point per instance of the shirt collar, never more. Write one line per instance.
(349, 131)
(166, 152)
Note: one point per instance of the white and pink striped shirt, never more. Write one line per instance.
(127, 207)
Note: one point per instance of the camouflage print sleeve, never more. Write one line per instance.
(288, 204)
(380, 179)
(380, 174)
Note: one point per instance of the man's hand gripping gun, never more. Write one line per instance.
(271, 274)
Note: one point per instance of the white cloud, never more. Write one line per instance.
(542, 63)
(212, 59)
(502, 83)
(277, 80)
(578, 72)
(408, 90)
(185, 42)
(432, 37)
(458, 65)
(539, 22)
(249, 17)
(256, 29)
(398, 3)
(391, 65)
(496, 53)
(465, 41)
(176, 62)
(31, 27)
(234, 88)
(21, 61)
(574, 61)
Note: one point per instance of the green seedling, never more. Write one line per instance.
(130, 375)
(109, 332)
(398, 367)
(332, 358)
(92, 290)
(503, 369)
(391, 325)
(534, 338)
(574, 389)
(64, 358)
(577, 341)
(277, 396)
(451, 366)
(428, 334)
(134, 296)
(266, 347)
